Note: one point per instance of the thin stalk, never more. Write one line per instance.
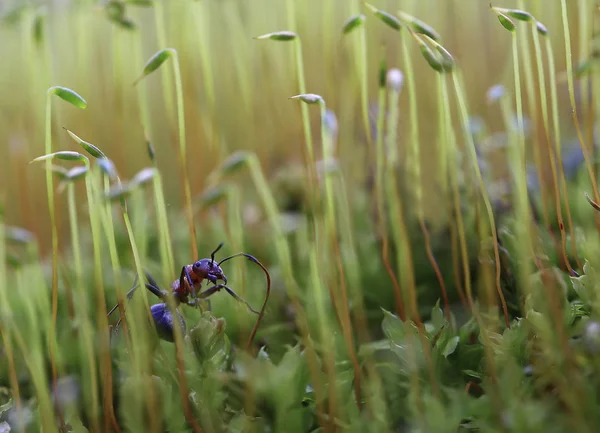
(414, 162)
(533, 109)
(52, 210)
(351, 261)
(91, 389)
(584, 149)
(34, 362)
(443, 162)
(388, 171)
(380, 201)
(517, 151)
(102, 322)
(283, 253)
(344, 316)
(462, 237)
(161, 36)
(151, 398)
(557, 144)
(106, 220)
(549, 150)
(490, 213)
(5, 331)
(183, 155)
(364, 86)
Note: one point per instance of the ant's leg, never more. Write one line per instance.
(129, 295)
(151, 279)
(214, 289)
(161, 294)
(235, 295)
(155, 291)
(185, 273)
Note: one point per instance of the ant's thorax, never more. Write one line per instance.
(183, 292)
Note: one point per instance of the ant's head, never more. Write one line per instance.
(209, 269)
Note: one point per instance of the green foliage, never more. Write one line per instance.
(357, 334)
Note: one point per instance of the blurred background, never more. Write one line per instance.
(236, 88)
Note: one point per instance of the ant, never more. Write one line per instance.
(184, 290)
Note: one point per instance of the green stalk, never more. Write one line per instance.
(344, 315)
(522, 209)
(585, 35)
(183, 155)
(52, 210)
(452, 146)
(91, 384)
(166, 250)
(351, 260)
(461, 100)
(283, 253)
(102, 321)
(558, 150)
(380, 196)
(106, 220)
(414, 162)
(203, 27)
(145, 355)
(327, 149)
(584, 149)
(364, 83)
(161, 36)
(5, 330)
(547, 133)
(413, 159)
(530, 90)
(304, 109)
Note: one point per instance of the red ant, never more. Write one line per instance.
(184, 289)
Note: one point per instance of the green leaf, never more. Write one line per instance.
(140, 2)
(506, 22)
(393, 327)
(309, 98)
(119, 192)
(150, 150)
(68, 95)
(353, 23)
(519, 15)
(108, 167)
(235, 162)
(284, 35)
(155, 62)
(431, 58)
(473, 373)
(210, 343)
(38, 28)
(386, 17)
(65, 155)
(18, 235)
(88, 147)
(437, 317)
(214, 195)
(450, 346)
(77, 172)
(143, 176)
(541, 28)
(59, 171)
(419, 26)
(382, 72)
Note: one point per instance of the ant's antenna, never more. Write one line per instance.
(212, 256)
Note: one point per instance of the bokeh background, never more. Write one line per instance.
(236, 88)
